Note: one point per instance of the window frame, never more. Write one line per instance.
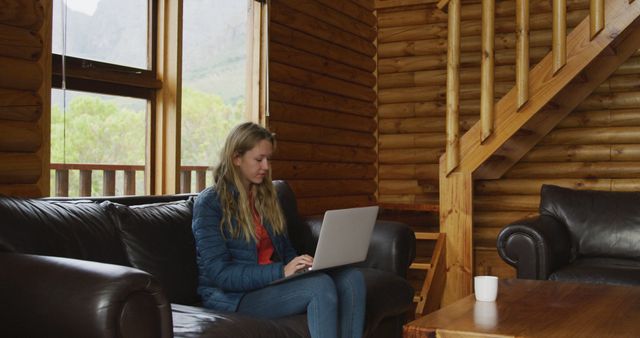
(161, 85)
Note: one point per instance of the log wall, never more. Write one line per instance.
(323, 101)
(25, 73)
(597, 146)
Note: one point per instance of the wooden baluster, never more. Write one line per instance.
(185, 181)
(453, 87)
(85, 183)
(559, 34)
(522, 51)
(487, 68)
(108, 182)
(62, 182)
(596, 8)
(201, 179)
(129, 182)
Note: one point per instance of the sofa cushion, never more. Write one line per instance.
(601, 223)
(72, 229)
(158, 239)
(600, 270)
(192, 322)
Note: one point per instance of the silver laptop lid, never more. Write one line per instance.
(344, 237)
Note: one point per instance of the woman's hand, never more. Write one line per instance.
(297, 263)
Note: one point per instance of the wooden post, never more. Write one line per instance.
(559, 34)
(487, 70)
(165, 152)
(129, 182)
(108, 182)
(596, 8)
(456, 194)
(85, 182)
(522, 51)
(62, 183)
(201, 180)
(185, 181)
(453, 87)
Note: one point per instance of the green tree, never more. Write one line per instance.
(206, 121)
(97, 129)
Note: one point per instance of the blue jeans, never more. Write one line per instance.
(334, 302)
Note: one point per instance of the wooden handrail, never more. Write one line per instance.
(442, 3)
(94, 166)
(559, 34)
(109, 177)
(487, 68)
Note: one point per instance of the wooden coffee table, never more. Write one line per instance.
(531, 308)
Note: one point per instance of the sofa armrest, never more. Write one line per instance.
(392, 247)
(535, 246)
(60, 297)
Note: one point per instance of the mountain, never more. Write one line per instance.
(214, 40)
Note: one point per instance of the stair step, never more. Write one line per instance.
(410, 207)
(420, 266)
(427, 235)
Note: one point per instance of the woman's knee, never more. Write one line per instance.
(323, 286)
(352, 281)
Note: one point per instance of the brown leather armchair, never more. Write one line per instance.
(579, 236)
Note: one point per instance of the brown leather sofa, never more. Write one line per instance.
(126, 267)
(579, 236)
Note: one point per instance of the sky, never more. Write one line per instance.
(85, 6)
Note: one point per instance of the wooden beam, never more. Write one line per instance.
(453, 88)
(487, 68)
(25, 13)
(165, 133)
(522, 52)
(456, 191)
(559, 34)
(20, 43)
(44, 94)
(381, 4)
(442, 3)
(597, 17)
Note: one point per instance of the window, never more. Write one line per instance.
(103, 85)
(218, 40)
(116, 102)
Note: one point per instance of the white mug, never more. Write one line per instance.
(486, 288)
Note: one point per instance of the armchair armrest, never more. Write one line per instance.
(535, 246)
(392, 246)
(60, 297)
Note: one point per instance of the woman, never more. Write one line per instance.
(243, 246)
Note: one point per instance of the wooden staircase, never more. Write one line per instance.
(542, 97)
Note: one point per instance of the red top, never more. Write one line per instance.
(265, 246)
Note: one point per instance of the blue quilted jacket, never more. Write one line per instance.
(228, 267)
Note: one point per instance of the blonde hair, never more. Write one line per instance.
(228, 182)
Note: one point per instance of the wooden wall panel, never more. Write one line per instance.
(595, 147)
(25, 73)
(322, 91)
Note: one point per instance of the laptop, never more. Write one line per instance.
(344, 239)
